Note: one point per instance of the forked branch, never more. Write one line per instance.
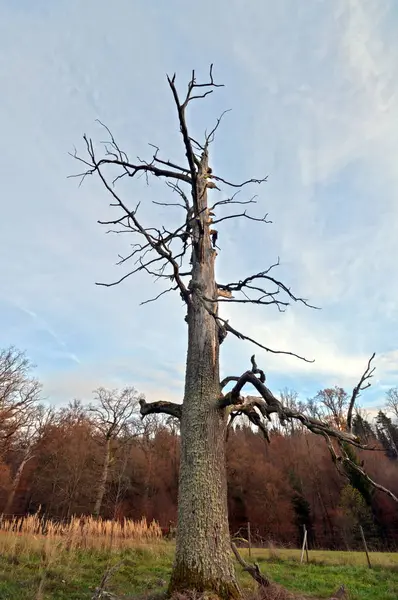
(253, 291)
(157, 242)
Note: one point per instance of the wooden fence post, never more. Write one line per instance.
(305, 546)
(365, 546)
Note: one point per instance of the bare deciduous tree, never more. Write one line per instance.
(331, 405)
(392, 401)
(184, 258)
(19, 392)
(111, 412)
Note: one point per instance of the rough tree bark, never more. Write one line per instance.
(186, 258)
(203, 559)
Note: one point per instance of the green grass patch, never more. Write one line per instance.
(73, 576)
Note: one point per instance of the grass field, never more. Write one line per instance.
(37, 567)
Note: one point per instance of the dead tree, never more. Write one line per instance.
(111, 413)
(183, 258)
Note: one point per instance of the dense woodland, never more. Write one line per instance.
(97, 456)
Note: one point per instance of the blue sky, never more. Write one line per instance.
(313, 92)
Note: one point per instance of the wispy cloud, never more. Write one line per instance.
(43, 325)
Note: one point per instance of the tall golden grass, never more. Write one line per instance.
(32, 534)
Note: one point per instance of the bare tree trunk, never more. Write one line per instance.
(15, 484)
(103, 480)
(203, 559)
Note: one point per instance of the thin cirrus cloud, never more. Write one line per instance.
(314, 97)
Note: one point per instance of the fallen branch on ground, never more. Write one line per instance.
(100, 592)
(253, 570)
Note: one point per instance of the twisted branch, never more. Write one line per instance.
(267, 404)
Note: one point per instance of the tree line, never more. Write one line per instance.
(100, 457)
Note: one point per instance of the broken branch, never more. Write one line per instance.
(253, 570)
(160, 407)
(361, 385)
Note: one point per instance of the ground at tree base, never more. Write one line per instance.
(273, 592)
(145, 571)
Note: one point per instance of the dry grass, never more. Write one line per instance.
(32, 535)
(53, 572)
(324, 557)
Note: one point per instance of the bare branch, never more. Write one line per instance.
(240, 185)
(131, 169)
(181, 108)
(360, 470)
(210, 136)
(268, 404)
(140, 268)
(227, 380)
(169, 204)
(166, 162)
(361, 385)
(245, 216)
(266, 297)
(256, 370)
(176, 188)
(224, 323)
(100, 590)
(345, 459)
(157, 244)
(232, 200)
(184, 130)
(248, 408)
(265, 583)
(160, 407)
(171, 289)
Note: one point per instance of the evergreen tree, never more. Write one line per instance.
(357, 480)
(362, 428)
(356, 514)
(387, 433)
(302, 509)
